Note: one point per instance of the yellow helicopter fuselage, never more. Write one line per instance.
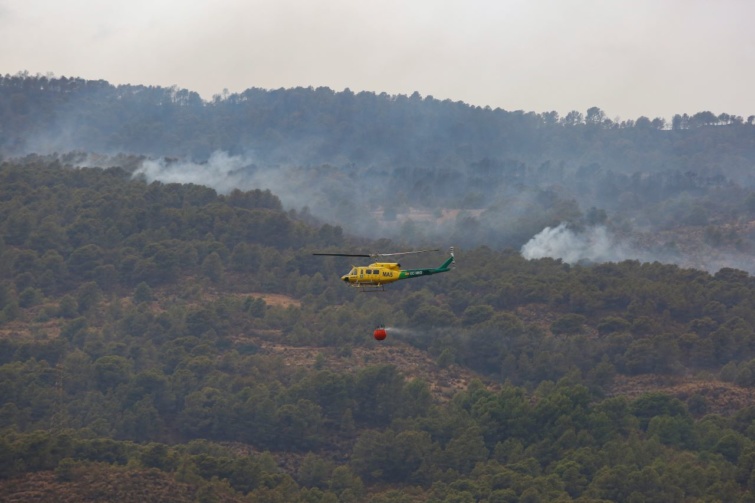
(374, 276)
(379, 273)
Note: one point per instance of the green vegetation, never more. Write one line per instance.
(131, 347)
(413, 167)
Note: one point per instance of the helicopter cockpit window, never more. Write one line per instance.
(353, 271)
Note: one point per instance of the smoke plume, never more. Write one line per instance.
(594, 244)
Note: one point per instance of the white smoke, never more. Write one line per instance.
(221, 172)
(329, 195)
(297, 187)
(597, 244)
(594, 244)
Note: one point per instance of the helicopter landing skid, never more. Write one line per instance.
(370, 288)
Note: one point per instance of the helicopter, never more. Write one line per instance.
(375, 276)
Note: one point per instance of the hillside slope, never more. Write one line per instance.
(189, 339)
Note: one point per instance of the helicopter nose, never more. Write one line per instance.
(345, 278)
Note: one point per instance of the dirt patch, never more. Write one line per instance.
(29, 331)
(721, 397)
(443, 382)
(275, 299)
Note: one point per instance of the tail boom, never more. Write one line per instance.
(414, 273)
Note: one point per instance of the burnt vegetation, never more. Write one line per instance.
(167, 342)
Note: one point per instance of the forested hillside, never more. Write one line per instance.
(677, 190)
(73, 113)
(166, 342)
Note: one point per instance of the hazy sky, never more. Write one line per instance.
(628, 57)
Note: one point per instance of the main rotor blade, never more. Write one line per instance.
(403, 253)
(343, 255)
(375, 255)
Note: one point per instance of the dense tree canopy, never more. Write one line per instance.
(96, 115)
(132, 332)
(416, 168)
